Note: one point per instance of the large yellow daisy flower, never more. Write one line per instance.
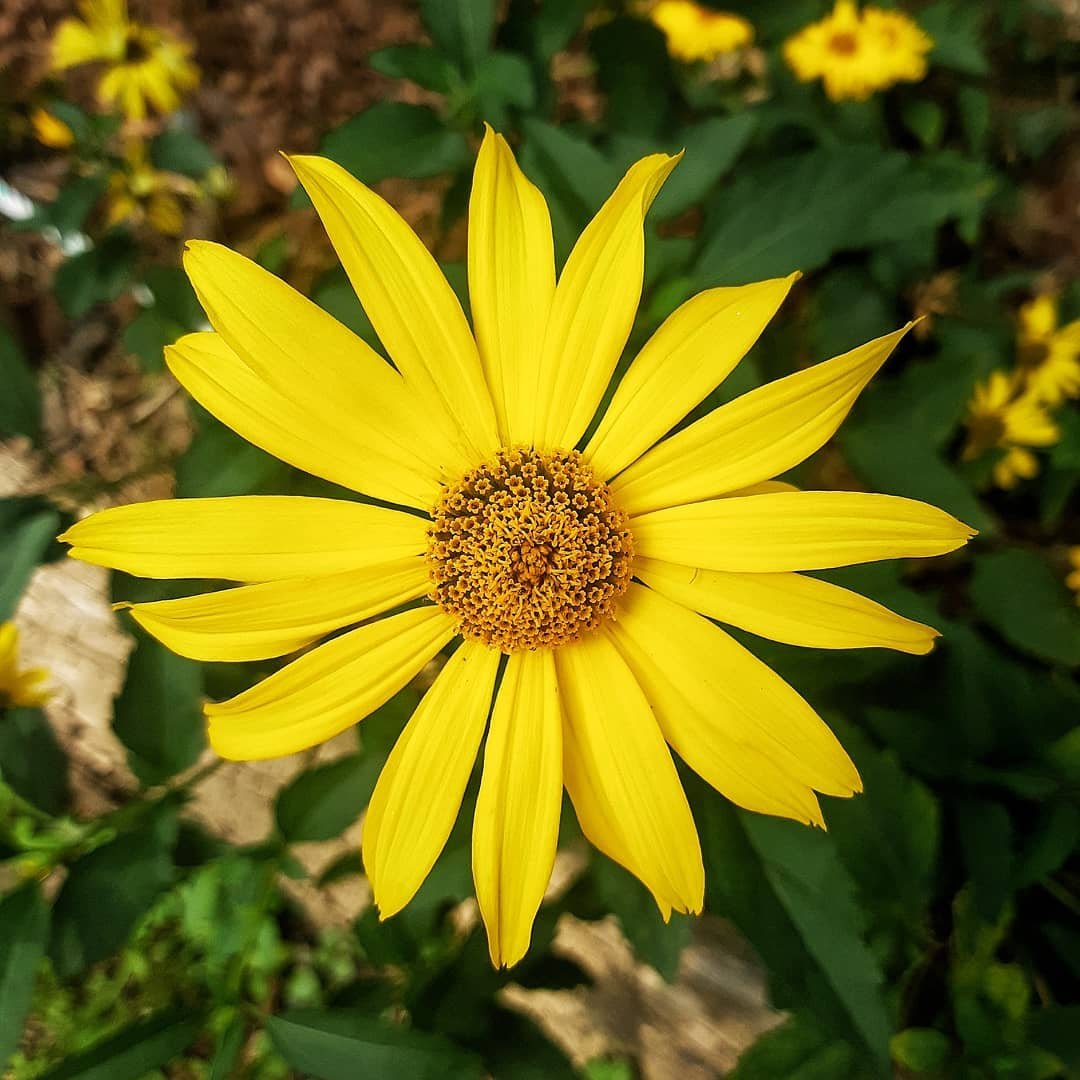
(18, 686)
(143, 65)
(585, 562)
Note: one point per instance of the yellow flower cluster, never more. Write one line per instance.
(138, 193)
(697, 33)
(143, 65)
(856, 54)
(1011, 412)
(18, 688)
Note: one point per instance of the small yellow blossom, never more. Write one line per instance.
(138, 193)
(1073, 579)
(143, 65)
(1004, 416)
(18, 688)
(695, 32)
(1047, 355)
(857, 54)
(50, 130)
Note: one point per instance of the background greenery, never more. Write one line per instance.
(934, 930)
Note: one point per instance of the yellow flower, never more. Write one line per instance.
(1047, 355)
(588, 578)
(1073, 578)
(142, 63)
(695, 32)
(137, 193)
(857, 55)
(18, 688)
(1002, 415)
(51, 131)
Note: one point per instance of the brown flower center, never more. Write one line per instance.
(529, 550)
(1032, 354)
(844, 43)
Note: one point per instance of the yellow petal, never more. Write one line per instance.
(246, 538)
(594, 307)
(75, 43)
(694, 350)
(511, 282)
(417, 798)
(729, 716)
(796, 530)
(255, 622)
(516, 826)
(410, 303)
(328, 689)
(755, 437)
(612, 745)
(791, 608)
(320, 369)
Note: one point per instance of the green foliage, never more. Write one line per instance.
(24, 932)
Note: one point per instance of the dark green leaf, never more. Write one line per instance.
(395, 139)
(797, 1050)
(134, 1052)
(956, 27)
(158, 716)
(75, 201)
(634, 73)
(343, 1046)
(1057, 1028)
(793, 213)
(323, 802)
(107, 891)
(20, 402)
(147, 335)
(27, 529)
(1022, 598)
(229, 1048)
(31, 761)
(920, 1049)
(1056, 836)
(182, 152)
(986, 839)
(462, 29)
(95, 276)
(419, 63)
(712, 148)
(24, 933)
(973, 105)
(503, 78)
(925, 120)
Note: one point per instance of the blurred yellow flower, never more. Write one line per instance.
(1047, 355)
(695, 32)
(18, 688)
(1004, 416)
(49, 130)
(856, 55)
(138, 193)
(1073, 578)
(142, 63)
(588, 578)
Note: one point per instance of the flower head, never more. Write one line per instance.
(1004, 416)
(18, 688)
(586, 576)
(1048, 355)
(142, 64)
(137, 193)
(857, 54)
(695, 32)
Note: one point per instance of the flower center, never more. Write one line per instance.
(138, 46)
(1032, 354)
(529, 550)
(843, 43)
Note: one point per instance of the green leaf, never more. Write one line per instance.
(655, 942)
(27, 529)
(31, 761)
(95, 276)
(925, 120)
(134, 1052)
(75, 201)
(1022, 598)
(462, 29)
(323, 802)
(634, 72)
(973, 107)
(956, 27)
(712, 148)
(343, 1046)
(420, 64)
(20, 403)
(986, 840)
(1057, 1028)
(158, 715)
(794, 213)
(228, 1050)
(182, 152)
(24, 933)
(503, 78)
(107, 891)
(395, 139)
(797, 1050)
(920, 1049)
